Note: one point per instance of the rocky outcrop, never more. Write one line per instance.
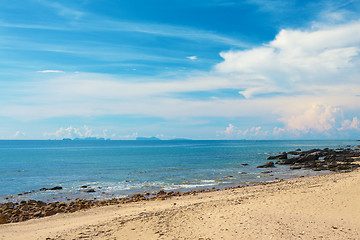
(323, 159)
(11, 212)
(281, 156)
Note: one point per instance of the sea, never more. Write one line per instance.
(115, 169)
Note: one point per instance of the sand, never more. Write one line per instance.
(321, 207)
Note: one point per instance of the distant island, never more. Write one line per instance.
(148, 139)
(86, 139)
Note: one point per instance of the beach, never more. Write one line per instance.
(320, 207)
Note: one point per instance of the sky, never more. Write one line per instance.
(200, 69)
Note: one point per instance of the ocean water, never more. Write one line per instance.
(121, 168)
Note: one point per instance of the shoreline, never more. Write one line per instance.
(339, 160)
(286, 209)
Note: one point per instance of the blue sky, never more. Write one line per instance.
(213, 69)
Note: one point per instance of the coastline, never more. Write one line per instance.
(320, 207)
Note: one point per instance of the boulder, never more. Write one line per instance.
(90, 190)
(268, 164)
(161, 192)
(281, 156)
(3, 219)
(288, 161)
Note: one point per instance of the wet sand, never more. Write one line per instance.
(321, 207)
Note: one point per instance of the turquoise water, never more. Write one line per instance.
(120, 168)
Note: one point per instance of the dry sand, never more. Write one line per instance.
(322, 207)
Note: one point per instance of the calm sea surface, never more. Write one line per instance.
(120, 168)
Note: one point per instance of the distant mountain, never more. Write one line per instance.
(86, 138)
(148, 138)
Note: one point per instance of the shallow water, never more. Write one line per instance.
(120, 168)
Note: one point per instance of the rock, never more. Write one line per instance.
(84, 186)
(281, 156)
(288, 161)
(90, 190)
(244, 164)
(161, 192)
(31, 202)
(56, 188)
(41, 204)
(295, 167)
(266, 172)
(3, 219)
(8, 205)
(268, 164)
(298, 150)
(50, 212)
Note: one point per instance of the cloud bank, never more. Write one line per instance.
(304, 81)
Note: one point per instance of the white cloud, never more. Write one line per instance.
(353, 124)
(305, 78)
(298, 60)
(319, 118)
(192, 58)
(50, 71)
(72, 132)
(234, 132)
(230, 129)
(19, 134)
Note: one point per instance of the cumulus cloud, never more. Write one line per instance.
(319, 118)
(298, 59)
(72, 132)
(350, 124)
(303, 79)
(234, 132)
(230, 129)
(19, 134)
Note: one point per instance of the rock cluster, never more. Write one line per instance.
(321, 159)
(16, 212)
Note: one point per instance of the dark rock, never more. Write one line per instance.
(84, 186)
(50, 212)
(3, 219)
(295, 167)
(268, 164)
(266, 172)
(161, 192)
(56, 188)
(6, 206)
(298, 150)
(281, 156)
(41, 204)
(244, 164)
(294, 153)
(288, 161)
(90, 190)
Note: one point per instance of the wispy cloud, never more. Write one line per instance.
(50, 71)
(62, 10)
(283, 80)
(85, 22)
(192, 58)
